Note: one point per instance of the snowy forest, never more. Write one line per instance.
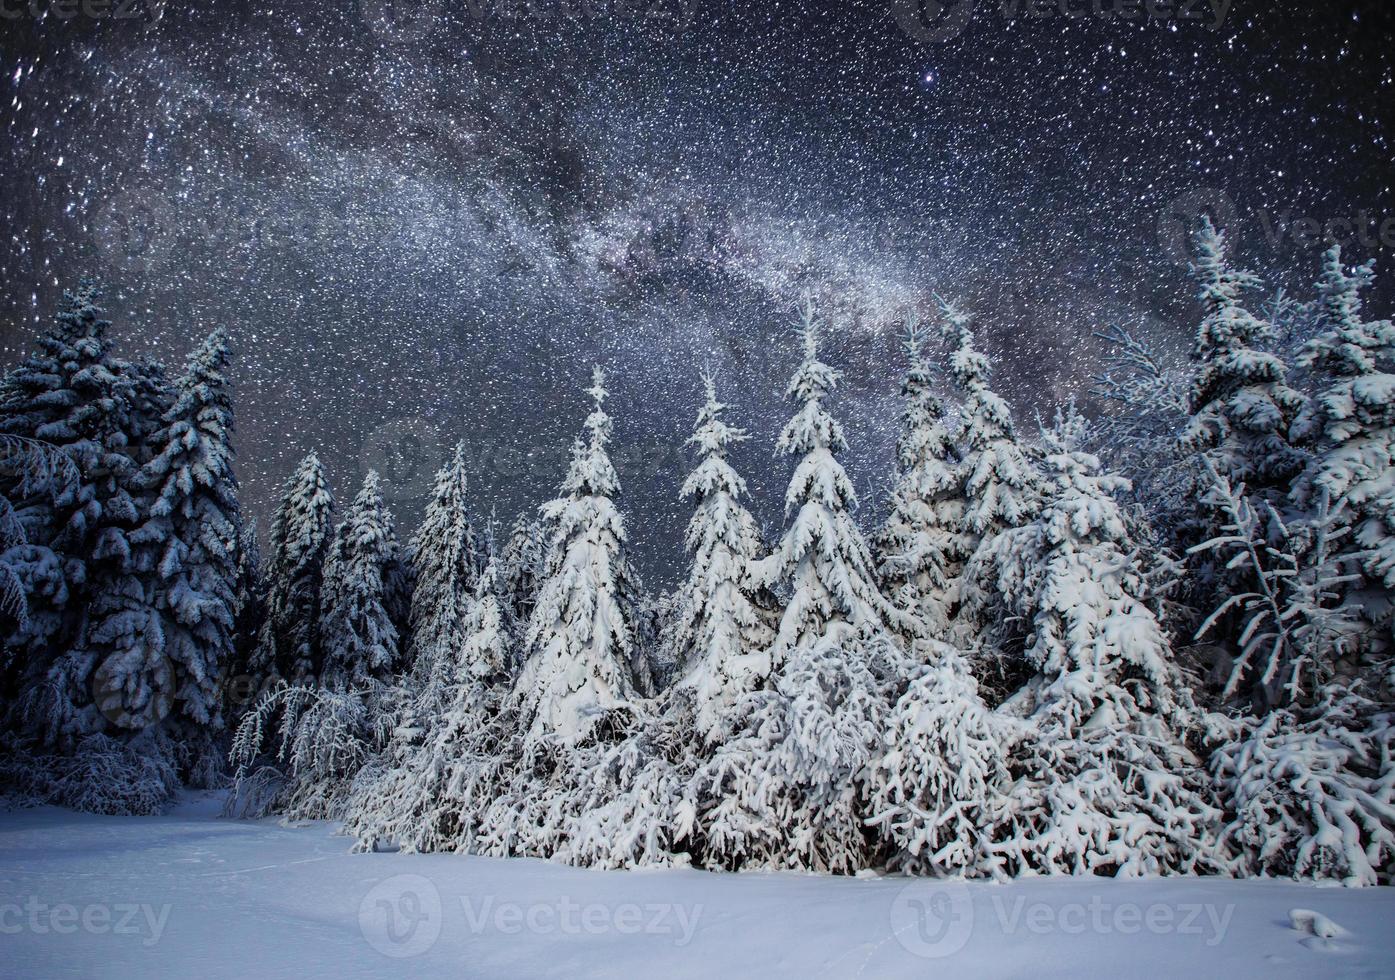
(1154, 638)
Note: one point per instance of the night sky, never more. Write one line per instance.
(424, 221)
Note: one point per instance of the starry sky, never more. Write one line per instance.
(423, 220)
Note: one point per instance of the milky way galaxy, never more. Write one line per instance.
(424, 221)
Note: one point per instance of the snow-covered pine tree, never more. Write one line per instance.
(357, 635)
(942, 783)
(250, 604)
(490, 632)
(1002, 490)
(1104, 779)
(1241, 404)
(523, 566)
(582, 659)
(723, 622)
(920, 546)
(193, 523)
(114, 672)
(782, 792)
(72, 395)
(288, 646)
(446, 579)
(1351, 426)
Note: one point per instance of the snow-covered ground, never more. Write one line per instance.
(190, 895)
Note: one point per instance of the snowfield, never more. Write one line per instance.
(192, 895)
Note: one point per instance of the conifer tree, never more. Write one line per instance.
(1351, 424)
(288, 647)
(1240, 400)
(523, 565)
(1002, 490)
(582, 658)
(722, 625)
(71, 395)
(920, 546)
(782, 791)
(357, 635)
(1104, 779)
(445, 563)
(193, 524)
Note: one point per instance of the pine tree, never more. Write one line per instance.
(487, 654)
(1105, 779)
(250, 613)
(72, 395)
(194, 525)
(722, 625)
(523, 566)
(446, 580)
(1241, 404)
(1002, 490)
(1352, 423)
(920, 546)
(782, 791)
(1000, 484)
(288, 647)
(357, 636)
(582, 657)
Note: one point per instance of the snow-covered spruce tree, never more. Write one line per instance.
(1240, 402)
(309, 740)
(723, 622)
(446, 566)
(920, 546)
(942, 783)
(1351, 427)
(250, 609)
(29, 468)
(68, 395)
(1002, 490)
(782, 791)
(1310, 790)
(193, 523)
(357, 635)
(288, 646)
(523, 566)
(582, 659)
(1104, 779)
